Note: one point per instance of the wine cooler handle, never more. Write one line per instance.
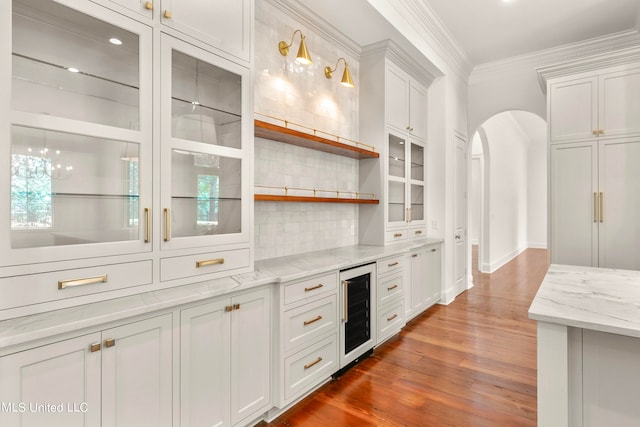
(345, 301)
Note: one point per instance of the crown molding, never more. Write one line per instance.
(568, 53)
(427, 23)
(317, 24)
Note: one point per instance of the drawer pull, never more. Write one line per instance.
(228, 308)
(392, 287)
(389, 319)
(393, 264)
(62, 284)
(414, 256)
(94, 347)
(313, 288)
(397, 235)
(314, 320)
(167, 14)
(419, 232)
(433, 250)
(315, 362)
(148, 5)
(110, 342)
(236, 306)
(207, 262)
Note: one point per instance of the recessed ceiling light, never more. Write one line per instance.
(73, 70)
(115, 41)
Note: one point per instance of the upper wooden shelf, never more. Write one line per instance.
(306, 140)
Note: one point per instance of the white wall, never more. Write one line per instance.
(508, 195)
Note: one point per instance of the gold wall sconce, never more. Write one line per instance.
(303, 56)
(346, 75)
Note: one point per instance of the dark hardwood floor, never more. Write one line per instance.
(471, 363)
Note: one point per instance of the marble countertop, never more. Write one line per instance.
(601, 299)
(272, 271)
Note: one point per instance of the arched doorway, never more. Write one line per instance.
(508, 188)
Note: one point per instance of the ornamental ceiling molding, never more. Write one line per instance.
(592, 51)
(425, 21)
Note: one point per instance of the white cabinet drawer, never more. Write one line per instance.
(390, 288)
(44, 287)
(310, 288)
(201, 264)
(390, 320)
(390, 264)
(417, 232)
(396, 235)
(306, 323)
(309, 367)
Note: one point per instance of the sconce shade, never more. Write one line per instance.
(346, 81)
(303, 56)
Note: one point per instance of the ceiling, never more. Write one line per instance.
(490, 30)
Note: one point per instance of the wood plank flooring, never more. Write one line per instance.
(471, 363)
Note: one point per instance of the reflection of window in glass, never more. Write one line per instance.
(132, 184)
(30, 193)
(208, 188)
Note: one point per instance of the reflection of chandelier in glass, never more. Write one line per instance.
(38, 165)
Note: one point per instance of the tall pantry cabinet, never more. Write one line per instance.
(594, 179)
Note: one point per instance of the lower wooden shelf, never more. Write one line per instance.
(309, 199)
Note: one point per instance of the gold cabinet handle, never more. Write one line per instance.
(236, 306)
(228, 308)
(414, 256)
(314, 320)
(167, 225)
(600, 132)
(62, 284)
(147, 219)
(392, 287)
(393, 264)
(167, 14)
(595, 132)
(418, 232)
(109, 342)
(389, 319)
(601, 207)
(433, 250)
(207, 262)
(595, 207)
(148, 5)
(94, 347)
(315, 362)
(397, 235)
(313, 288)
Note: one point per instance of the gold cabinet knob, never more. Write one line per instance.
(148, 5)
(110, 342)
(167, 14)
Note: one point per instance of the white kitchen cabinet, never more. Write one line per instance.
(595, 105)
(118, 377)
(424, 281)
(79, 126)
(595, 203)
(390, 300)
(393, 117)
(225, 25)
(307, 351)
(225, 363)
(405, 194)
(205, 162)
(407, 103)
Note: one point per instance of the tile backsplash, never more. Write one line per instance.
(302, 95)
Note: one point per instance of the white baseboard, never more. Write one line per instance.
(538, 245)
(505, 259)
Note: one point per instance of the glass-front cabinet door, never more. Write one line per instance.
(405, 181)
(204, 131)
(78, 133)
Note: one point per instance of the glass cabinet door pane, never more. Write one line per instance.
(71, 189)
(206, 194)
(205, 102)
(417, 162)
(396, 156)
(71, 65)
(417, 202)
(396, 201)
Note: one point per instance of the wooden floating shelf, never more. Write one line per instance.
(309, 199)
(306, 140)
